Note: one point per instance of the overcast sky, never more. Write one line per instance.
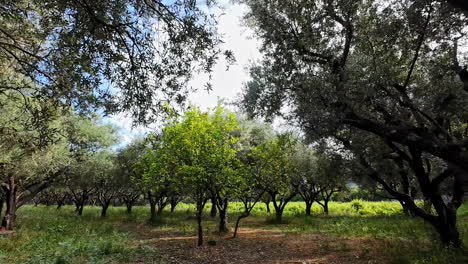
(227, 84)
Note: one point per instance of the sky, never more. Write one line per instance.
(226, 82)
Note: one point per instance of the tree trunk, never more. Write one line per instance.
(325, 206)
(153, 211)
(279, 215)
(161, 205)
(60, 202)
(446, 223)
(8, 221)
(448, 232)
(308, 208)
(104, 209)
(80, 209)
(223, 216)
(243, 215)
(213, 207)
(174, 202)
(152, 203)
(406, 210)
(268, 207)
(1, 204)
(200, 229)
(129, 207)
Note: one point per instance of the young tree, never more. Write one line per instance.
(275, 169)
(156, 175)
(306, 179)
(127, 158)
(200, 147)
(87, 139)
(333, 172)
(106, 180)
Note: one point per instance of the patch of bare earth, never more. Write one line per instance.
(257, 246)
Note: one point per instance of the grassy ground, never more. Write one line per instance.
(373, 232)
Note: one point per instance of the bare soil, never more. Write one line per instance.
(255, 245)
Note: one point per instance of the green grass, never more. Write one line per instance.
(47, 235)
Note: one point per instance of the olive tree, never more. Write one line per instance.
(391, 70)
(71, 51)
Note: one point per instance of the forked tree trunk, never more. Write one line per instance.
(161, 205)
(267, 207)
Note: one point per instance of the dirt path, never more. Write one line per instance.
(254, 246)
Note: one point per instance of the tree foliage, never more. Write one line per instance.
(122, 55)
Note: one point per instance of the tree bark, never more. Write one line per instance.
(325, 206)
(152, 203)
(8, 221)
(200, 229)
(2, 200)
(223, 216)
(174, 202)
(279, 215)
(80, 209)
(308, 208)
(446, 223)
(152, 210)
(161, 206)
(60, 202)
(129, 207)
(104, 209)
(213, 211)
(239, 218)
(267, 207)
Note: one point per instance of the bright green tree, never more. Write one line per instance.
(198, 152)
(275, 169)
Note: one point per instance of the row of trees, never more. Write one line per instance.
(44, 145)
(211, 156)
(200, 157)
